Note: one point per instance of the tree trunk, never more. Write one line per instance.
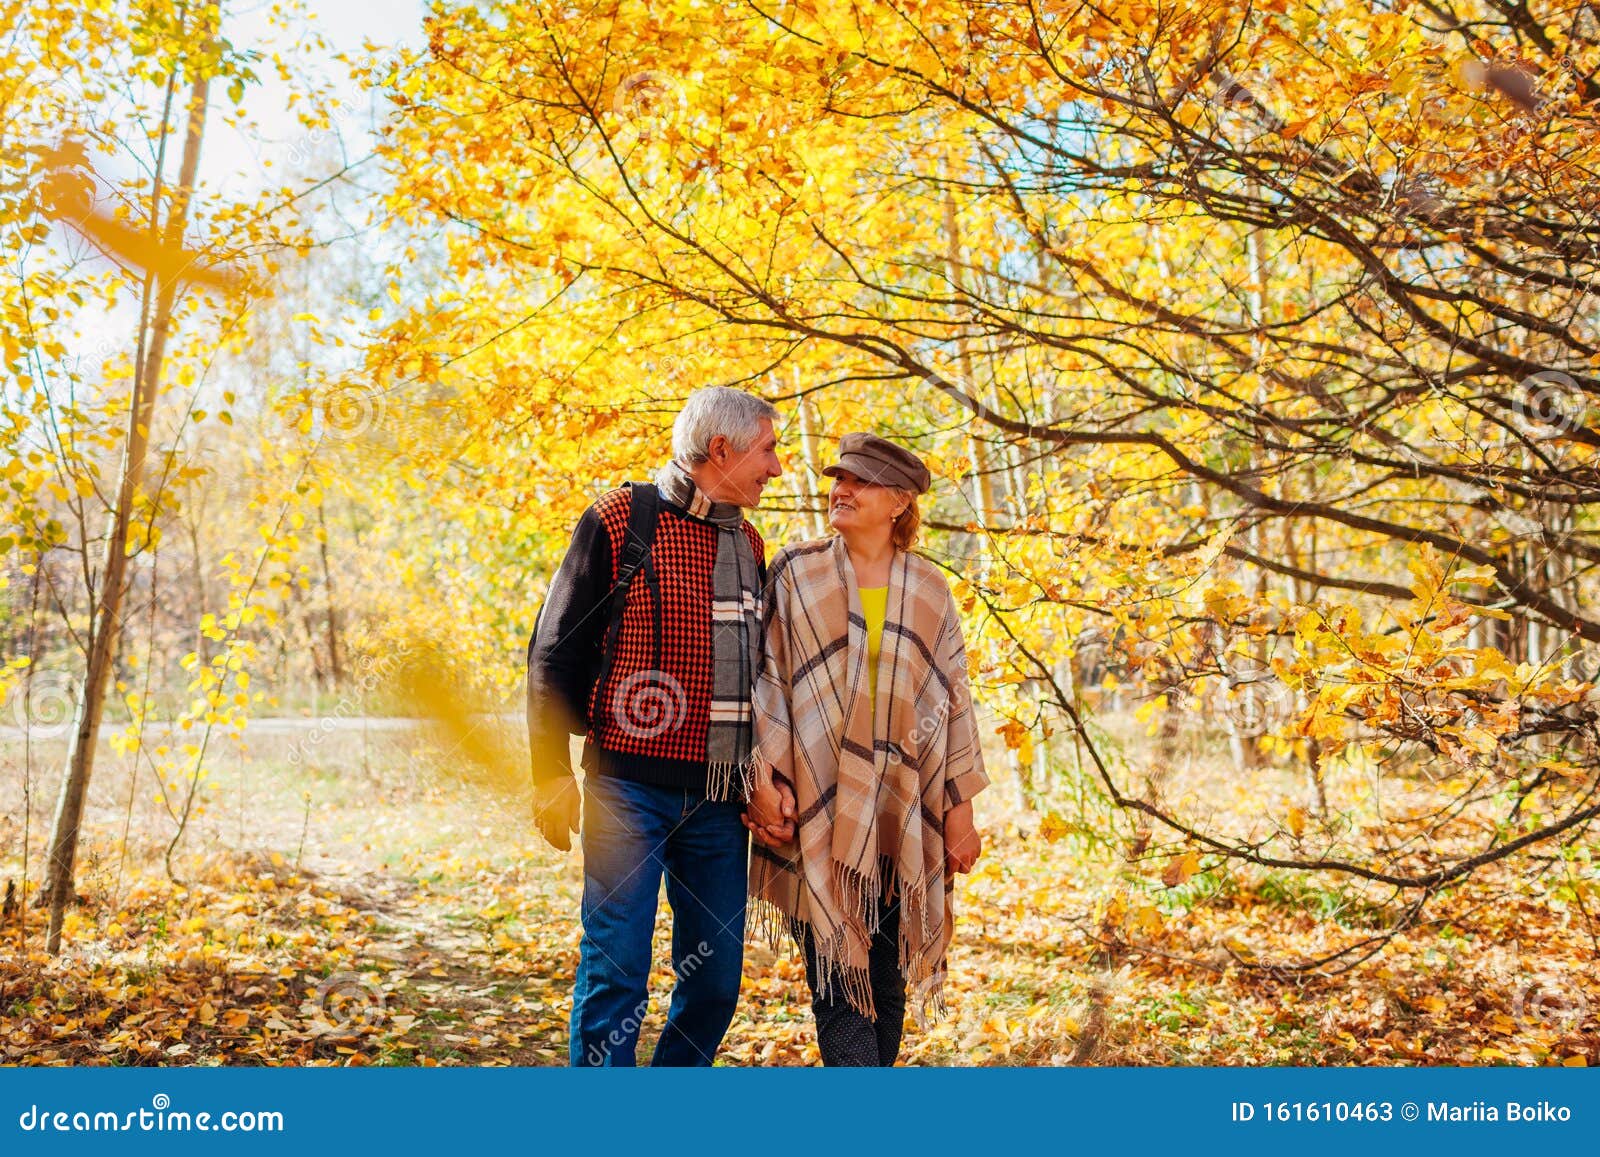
(202, 644)
(332, 617)
(107, 624)
(985, 504)
(811, 451)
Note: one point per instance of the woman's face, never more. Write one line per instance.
(855, 504)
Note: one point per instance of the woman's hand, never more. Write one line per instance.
(962, 843)
(766, 805)
(769, 814)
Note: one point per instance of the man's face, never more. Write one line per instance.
(741, 475)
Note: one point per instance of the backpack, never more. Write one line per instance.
(644, 508)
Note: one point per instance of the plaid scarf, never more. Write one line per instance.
(872, 780)
(735, 624)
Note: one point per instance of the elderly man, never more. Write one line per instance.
(647, 645)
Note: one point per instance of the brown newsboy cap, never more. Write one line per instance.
(874, 459)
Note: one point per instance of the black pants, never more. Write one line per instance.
(844, 1035)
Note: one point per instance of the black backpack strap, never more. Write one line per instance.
(644, 504)
(644, 509)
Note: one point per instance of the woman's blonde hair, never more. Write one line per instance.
(906, 526)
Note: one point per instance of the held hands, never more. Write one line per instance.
(555, 810)
(962, 843)
(770, 814)
(770, 817)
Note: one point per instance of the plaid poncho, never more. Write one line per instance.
(872, 782)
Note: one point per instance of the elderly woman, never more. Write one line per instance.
(865, 737)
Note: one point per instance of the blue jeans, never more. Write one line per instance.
(633, 834)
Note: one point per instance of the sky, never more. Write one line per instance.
(272, 148)
(233, 160)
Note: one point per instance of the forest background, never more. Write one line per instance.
(1253, 347)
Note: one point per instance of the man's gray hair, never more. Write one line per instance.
(715, 410)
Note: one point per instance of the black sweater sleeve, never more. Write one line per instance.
(564, 653)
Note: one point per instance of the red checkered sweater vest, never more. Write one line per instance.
(648, 708)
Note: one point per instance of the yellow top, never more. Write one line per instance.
(874, 605)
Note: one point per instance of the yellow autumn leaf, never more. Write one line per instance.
(1180, 869)
(1052, 827)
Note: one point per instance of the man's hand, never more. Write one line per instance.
(556, 809)
(770, 815)
(962, 843)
